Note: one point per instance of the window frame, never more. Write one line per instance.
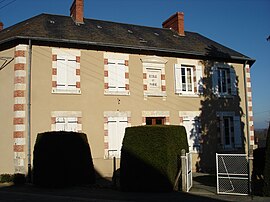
(224, 75)
(232, 139)
(64, 79)
(196, 77)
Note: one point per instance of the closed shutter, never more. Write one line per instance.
(61, 72)
(177, 74)
(121, 131)
(121, 80)
(112, 136)
(71, 124)
(116, 132)
(60, 124)
(71, 74)
(215, 83)
(112, 76)
(237, 132)
(233, 82)
(199, 79)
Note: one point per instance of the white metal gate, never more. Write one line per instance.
(232, 174)
(189, 170)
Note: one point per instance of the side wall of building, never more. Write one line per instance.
(6, 113)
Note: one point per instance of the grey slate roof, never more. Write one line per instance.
(104, 34)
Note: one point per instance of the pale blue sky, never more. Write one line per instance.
(242, 25)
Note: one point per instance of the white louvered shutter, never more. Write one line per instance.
(237, 132)
(121, 81)
(199, 79)
(233, 82)
(215, 83)
(71, 74)
(61, 72)
(112, 75)
(116, 132)
(123, 123)
(71, 124)
(177, 76)
(60, 124)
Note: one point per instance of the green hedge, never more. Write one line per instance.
(266, 188)
(62, 159)
(149, 157)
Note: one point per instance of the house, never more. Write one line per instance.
(99, 77)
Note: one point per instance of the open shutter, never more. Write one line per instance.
(233, 82)
(199, 79)
(71, 74)
(121, 81)
(215, 80)
(112, 76)
(177, 76)
(237, 132)
(61, 72)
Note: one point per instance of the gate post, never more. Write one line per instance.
(184, 170)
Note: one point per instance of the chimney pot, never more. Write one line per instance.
(176, 22)
(76, 11)
(1, 26)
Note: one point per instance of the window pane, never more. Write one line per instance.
(227, 130)
(189, 79)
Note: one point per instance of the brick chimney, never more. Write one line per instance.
(175, 22)
(1, 26)
(76, 11)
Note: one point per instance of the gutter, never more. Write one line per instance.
(29, 110)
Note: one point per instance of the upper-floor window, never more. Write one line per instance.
(116, 74)
(65, 71)
(188, 79)
(66, 124)
(224, 80)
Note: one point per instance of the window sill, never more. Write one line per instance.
(124, 93)
(226, 96)
(152, 94)
(71, 92)
(188, 95)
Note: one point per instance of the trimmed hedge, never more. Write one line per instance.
(62, 159)
(149, 157)
(266, 188)
(17, 178)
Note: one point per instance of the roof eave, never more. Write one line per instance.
(112, 45)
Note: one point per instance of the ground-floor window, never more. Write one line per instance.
(229, 130)
(155, 120)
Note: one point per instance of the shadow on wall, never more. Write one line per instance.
(220, 112)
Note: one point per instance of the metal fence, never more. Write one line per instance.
(232, 174)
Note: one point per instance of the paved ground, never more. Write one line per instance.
(202, 192)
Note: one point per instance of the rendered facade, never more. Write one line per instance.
(98, 77)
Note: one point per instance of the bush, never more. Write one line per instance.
(149, 157)
(62, 159)
(266, 188)
(6, 178)
(19, 179)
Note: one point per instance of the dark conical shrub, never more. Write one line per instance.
(62, 159)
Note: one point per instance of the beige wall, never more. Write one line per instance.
(91, 102)
(6, 114)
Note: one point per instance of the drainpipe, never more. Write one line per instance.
(248, 130)
(29, 110)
